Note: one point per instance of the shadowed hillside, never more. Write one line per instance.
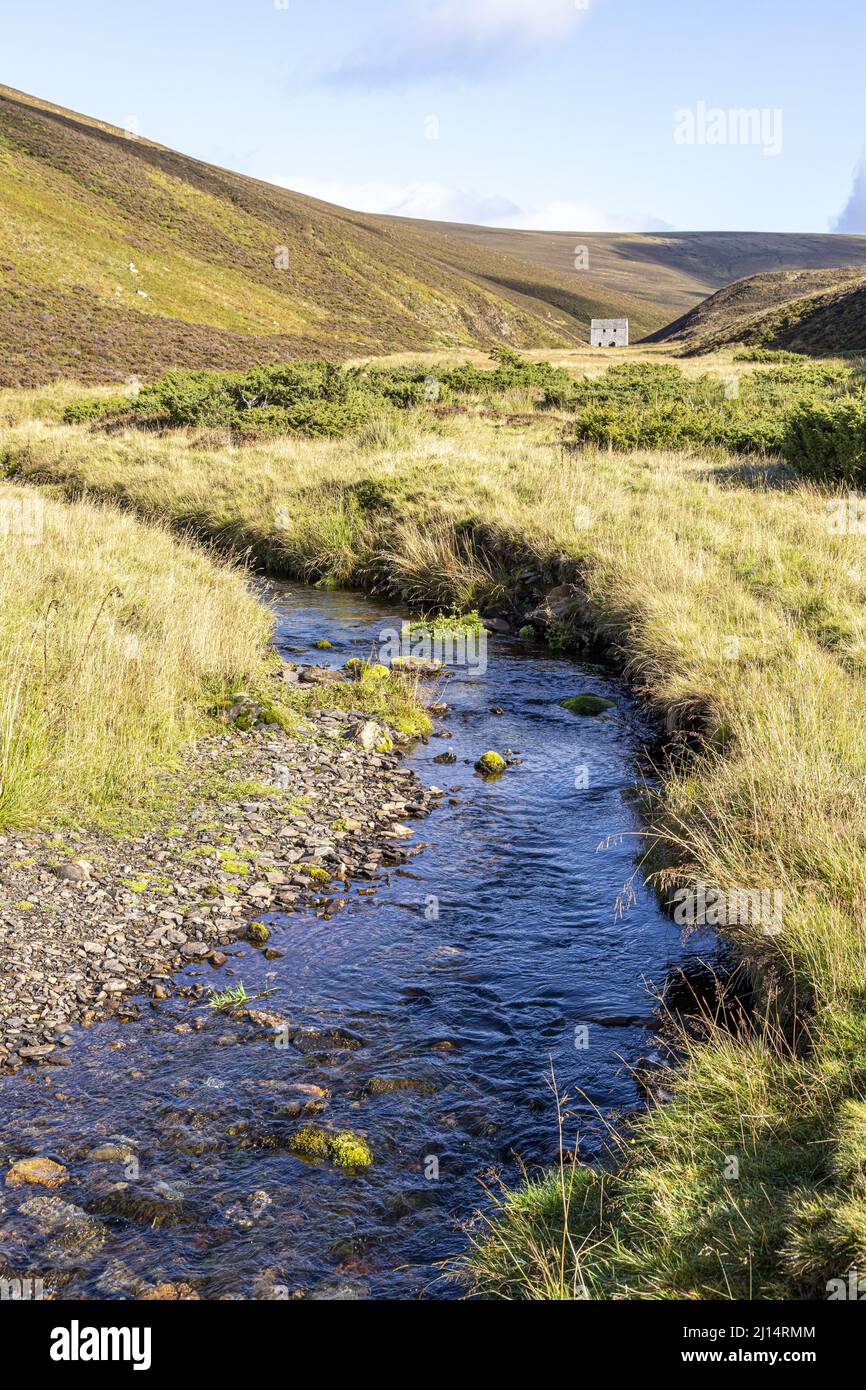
(670, 272)
(818, 311)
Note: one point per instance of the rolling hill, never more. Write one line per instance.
(121, 257)
(812, 311)
(671, 271)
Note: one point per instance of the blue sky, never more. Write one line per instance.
(563, 114)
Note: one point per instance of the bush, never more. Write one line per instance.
(763, 354)
(827, 440)
(311, 398)
(314, 397)
(654, 406)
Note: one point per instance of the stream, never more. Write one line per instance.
(495, 954)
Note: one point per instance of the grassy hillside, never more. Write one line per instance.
(670, 272)
(817, 311)
(119, 256)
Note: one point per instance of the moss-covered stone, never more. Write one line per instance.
(345, 1149)
(490, 764)
(350, 1150)
(527, 632)
(313, 872)
(310, 1142)
(368, 670)
(258, 933)
(586, 704)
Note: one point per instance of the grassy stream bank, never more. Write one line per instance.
(739, 615)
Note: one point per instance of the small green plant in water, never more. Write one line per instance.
(226, 999)
(449, 625)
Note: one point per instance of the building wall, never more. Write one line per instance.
(609, 333)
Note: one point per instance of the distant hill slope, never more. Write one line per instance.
(119, 256)
(670, 271)
(816, 311)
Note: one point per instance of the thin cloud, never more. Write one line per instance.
(852, 218)
(442, 203)
(431, 38)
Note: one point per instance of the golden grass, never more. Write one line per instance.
(115, 638)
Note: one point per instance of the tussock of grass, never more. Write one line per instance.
(740, 616)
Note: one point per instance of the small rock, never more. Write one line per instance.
(417, 665)
(368, 734)
(77, 872)
(42, 1171)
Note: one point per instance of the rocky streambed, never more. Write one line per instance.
(387, 1035)
(87, 921)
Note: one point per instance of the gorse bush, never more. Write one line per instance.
(826, 440)
(763, 354)
(640, 405)
(311, 397)
(633, 405)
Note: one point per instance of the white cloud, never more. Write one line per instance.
(567, 216)
(431, 37)
(852, 218)
(492, 21)
(442, 203)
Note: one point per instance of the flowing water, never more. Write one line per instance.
(493, 955)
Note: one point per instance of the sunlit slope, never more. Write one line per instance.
(119, 256)
(669, 272)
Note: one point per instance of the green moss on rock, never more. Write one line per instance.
(490, 764)
(586, 704)
(349, 1150)
(345, 1149)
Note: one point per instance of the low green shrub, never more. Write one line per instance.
(654, 406)
(826, 440)
(313, 398)
(763, 354)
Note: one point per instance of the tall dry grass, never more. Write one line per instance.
(115, 638)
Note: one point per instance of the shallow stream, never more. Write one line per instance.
(496, 953)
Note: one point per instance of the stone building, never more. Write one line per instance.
(609, 333)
